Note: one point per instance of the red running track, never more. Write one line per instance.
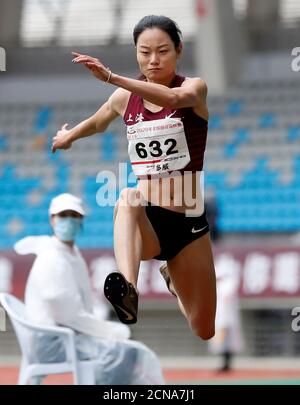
(9, 376)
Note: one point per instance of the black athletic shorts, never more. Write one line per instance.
(175, 230)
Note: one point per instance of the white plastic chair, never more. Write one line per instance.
(33, 372)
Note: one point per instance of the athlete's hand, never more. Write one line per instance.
(94, 65)
(62, 139)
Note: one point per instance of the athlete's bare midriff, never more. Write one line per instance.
(175, 192)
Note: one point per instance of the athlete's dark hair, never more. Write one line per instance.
(161, 22)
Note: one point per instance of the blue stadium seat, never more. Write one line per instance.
(267, 120)
(42, 120)
(3, 142)
(108, 146)
(235, 107)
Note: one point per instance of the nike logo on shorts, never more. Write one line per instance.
(128, 314)
(198, 230)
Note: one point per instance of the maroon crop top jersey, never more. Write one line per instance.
(165, 141)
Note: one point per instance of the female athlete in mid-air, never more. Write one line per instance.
(163, 217)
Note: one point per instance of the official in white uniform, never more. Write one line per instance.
(58, 292)
(228, 338)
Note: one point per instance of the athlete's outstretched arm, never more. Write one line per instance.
(191, 94)
(98, 122)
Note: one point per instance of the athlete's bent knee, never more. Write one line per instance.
(131, 197)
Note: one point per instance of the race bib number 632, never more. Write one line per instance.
(157, 146)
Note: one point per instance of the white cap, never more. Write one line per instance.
(65, 202)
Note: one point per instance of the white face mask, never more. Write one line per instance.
(67, 228)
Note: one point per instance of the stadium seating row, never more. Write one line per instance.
(252, 163)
